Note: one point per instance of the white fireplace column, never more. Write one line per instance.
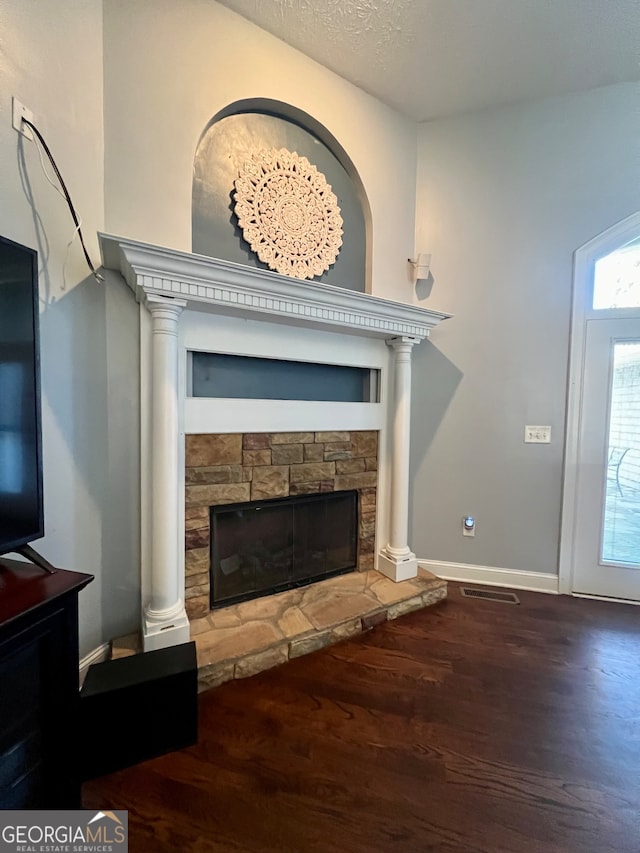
(165, 620)
(396, 560)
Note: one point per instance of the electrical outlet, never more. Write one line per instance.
(537, 435)
(468, 525)
(19, 112)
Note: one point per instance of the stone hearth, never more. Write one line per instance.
(247, 638)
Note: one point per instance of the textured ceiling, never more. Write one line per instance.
(432, 58)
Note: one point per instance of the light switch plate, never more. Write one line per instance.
(537, 435)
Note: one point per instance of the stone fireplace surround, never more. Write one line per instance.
(189, 302)
(237, 468)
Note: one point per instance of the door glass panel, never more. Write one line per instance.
(621, 521)
(616, 281)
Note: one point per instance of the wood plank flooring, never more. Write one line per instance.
(469, 727)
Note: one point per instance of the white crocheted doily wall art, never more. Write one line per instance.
(288, 213)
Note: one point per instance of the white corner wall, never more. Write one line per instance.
(170, 67)
(51, 59)
(504, 199)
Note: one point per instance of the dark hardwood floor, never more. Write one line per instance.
(471, 726)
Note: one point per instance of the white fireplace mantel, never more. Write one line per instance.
(209, 284)
(168, 283)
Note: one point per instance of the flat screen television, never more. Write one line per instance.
(21, 506)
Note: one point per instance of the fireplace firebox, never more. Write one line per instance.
(264, 547)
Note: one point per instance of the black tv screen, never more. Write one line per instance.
(21, 512)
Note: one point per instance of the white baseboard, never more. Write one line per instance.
(512, 578)
(96, 656)
(605, 598)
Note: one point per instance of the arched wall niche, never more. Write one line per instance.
(225, 144)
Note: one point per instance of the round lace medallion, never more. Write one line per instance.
(288, 213)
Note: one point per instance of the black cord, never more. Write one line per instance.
(72, 209)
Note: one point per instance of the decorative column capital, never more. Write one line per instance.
(165, 312)
(403, 344)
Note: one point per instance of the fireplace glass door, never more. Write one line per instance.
(264, 547)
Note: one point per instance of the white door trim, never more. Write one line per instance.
(584, 260)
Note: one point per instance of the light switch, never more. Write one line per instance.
(537, 435)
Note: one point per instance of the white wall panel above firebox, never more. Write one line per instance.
(206, 415)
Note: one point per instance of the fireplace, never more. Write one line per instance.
(191, 304)
(264, 547)
(245, 481)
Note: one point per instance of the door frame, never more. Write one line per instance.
(583, 269)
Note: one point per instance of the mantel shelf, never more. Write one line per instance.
(210, 284)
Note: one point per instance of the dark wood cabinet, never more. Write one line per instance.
(39, 698)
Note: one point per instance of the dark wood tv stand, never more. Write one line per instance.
(39, 698)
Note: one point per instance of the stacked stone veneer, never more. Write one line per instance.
(235, 468)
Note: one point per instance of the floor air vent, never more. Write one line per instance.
(490, 595)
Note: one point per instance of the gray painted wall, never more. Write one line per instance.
(504, 199)
(224, 147)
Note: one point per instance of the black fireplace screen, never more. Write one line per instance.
(268, 546)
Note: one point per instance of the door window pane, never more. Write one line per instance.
(616, 281)
(621, 522)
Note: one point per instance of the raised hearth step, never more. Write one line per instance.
(244, 639)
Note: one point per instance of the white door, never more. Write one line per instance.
(606, 560)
